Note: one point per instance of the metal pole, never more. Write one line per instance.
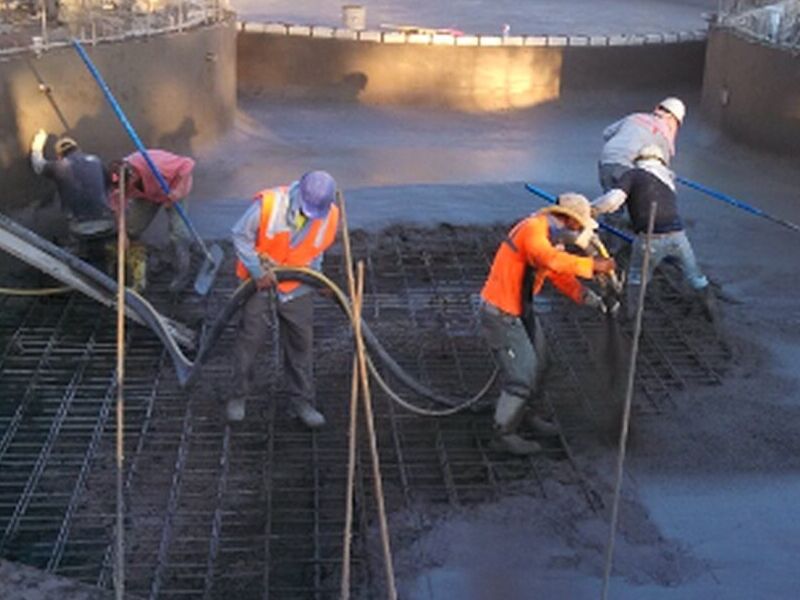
(44, 22)
(552, 200)
(753, 210)
(119, 562)
(623, 438)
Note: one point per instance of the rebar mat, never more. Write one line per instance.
(256, 510)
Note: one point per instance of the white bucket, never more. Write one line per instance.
(354, 16)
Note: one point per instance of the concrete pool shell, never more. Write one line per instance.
(698, 470)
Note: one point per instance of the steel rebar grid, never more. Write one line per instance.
(255, 509)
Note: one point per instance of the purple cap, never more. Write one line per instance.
(317, 191)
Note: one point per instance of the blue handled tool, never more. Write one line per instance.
(214, 255)
(552, 200)
(737, 203)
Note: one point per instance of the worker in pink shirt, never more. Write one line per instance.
(145, 199)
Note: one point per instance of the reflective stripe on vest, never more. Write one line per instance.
(273, 239)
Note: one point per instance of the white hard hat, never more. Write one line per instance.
(675, 107)
(651, 152)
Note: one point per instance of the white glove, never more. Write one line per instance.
(39, 140)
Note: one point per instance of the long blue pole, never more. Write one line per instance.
(136, 140)
(737, 203)
(552, 200)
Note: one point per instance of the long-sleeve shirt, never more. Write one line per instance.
(529, 245)
(625, 138)
(80, 182)
(638, 188)
(245, 232)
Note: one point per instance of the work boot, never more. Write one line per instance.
(183, 273)
(310, 416)
(515, 444)
(541, 426)
(234, 409)
(508, 412)
(708, 303)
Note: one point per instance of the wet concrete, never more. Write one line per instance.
(717, 477)
(423, 167)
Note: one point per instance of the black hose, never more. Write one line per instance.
(245, 292)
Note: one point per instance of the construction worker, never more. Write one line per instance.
(651, 180)
(626, 137)
(532, 253)
(80, 183)
(285, 226)
(145, 199)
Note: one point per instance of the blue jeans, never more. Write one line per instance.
(663, 245)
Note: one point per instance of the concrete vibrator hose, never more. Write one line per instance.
(320, 281)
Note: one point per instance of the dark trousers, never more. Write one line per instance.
(296, 333)
(519, 360)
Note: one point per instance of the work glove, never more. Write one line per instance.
(593, 300)
(604, 265)
(39, 140)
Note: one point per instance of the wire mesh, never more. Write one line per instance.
(256, 509)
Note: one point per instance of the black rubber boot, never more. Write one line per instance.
(708, 304)
(310, 416)
(515, 444)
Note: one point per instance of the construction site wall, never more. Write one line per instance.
(471, 73)
(178, 90)
(751, 90)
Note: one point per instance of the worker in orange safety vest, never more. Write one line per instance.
(285, 226)
(531, 254)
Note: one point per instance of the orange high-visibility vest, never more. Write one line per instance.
(275, 246)
(528, 246)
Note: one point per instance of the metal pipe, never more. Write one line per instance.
(626, 416)
(737, 203)
(552, 200)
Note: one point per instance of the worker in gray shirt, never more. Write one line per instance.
(624, 138)
(81, 186)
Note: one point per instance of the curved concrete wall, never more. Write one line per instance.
(471, 73)
(179, 91)
(752, 91)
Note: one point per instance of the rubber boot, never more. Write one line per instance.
(541, 426)
(183, 274)
(136, 265)
(515, 444)
(507, 416)
(708, 304)
(235, 409)
(310, 416)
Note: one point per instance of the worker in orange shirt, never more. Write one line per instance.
(532, 253)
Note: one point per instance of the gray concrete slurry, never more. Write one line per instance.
(719, 475)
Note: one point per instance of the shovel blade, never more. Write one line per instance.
(208, 270)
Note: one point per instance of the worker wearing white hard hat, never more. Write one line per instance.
(625, 138)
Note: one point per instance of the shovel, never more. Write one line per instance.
(213, 257)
